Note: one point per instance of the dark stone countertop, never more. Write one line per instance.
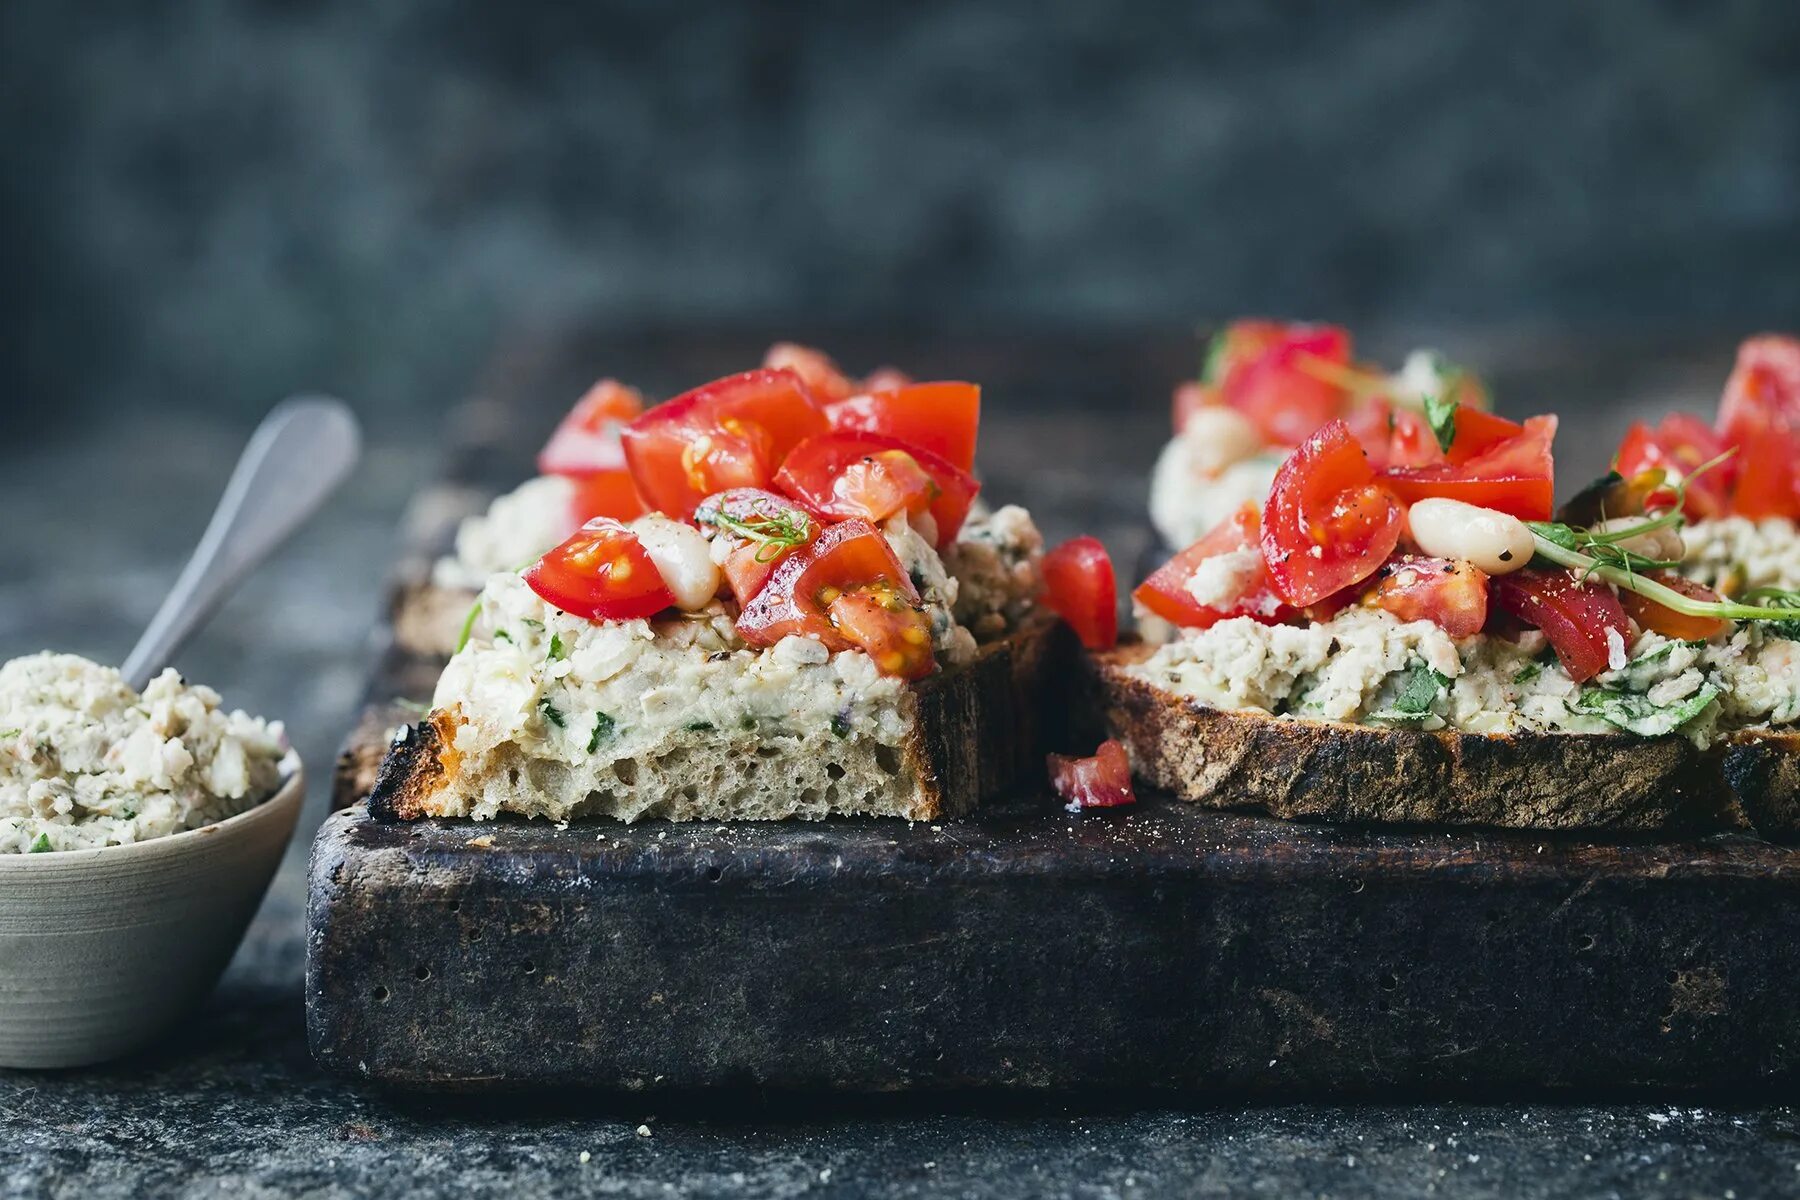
(231, 1104)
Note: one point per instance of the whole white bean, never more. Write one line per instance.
(1217, 436)
(1664, 544)
(683, 558)
(1494, 541)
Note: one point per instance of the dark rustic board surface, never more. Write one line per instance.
(1209, 952)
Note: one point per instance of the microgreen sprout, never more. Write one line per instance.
(777, 530)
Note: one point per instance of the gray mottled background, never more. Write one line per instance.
(209, 204)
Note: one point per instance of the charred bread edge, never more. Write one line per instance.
(1529, 780)
(979, 728)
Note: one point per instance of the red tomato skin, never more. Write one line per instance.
(732, 432)
(1102, 780)
(1575, 616)
(1277, 392)
(846, 555)
(943, 418)
(605, 494)
(587, 439)
(896, 635)
(1079, 586)
(815, 369)
(1512, 476)
(602, 573)
(1666, 621)
(1451, 593)
(811, 472)
(1165, 592)
(1763, 391)
(1327, 524)
(1681, 443)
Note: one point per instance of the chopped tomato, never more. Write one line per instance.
(1768, 483)
(1189, 398)
(767, 527)
(1101, 781)
(587, 439)
(1287, 389)
(940, 417)
(1328, 523)
(1764, 389)
(1393, 436)
(1678, 446)
(880, 621)
(815, 369)
(1666, 621)
(1477, 431)
(733, 432)
(1451, 593)
(1079, 587)
(873, 476)
(1584, 621)
(606, 494)
(1243, 590)
(1240, 343)
(799, 597)
(602, 573)
(1513, 476)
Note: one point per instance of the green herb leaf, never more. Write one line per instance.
(776, 527)
(10, 733)
(1637, 714)
(1419, 688)
(468, 626)
(552, 714)
(603, 731)
(42, 845)
(500, 635)
(1527, 673)
(1440, 413)
(698, 726)
(557, 649)
(840, 725)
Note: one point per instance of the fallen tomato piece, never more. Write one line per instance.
(1102, 780)
(1079, 586)
(603, 573)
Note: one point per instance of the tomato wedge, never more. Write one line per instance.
(1328, 523)
(602, 573)
(1763, 391)
(587, 439)
(815, 369)
(1281, 387)
(1102, 780)
(605, 494)
(802, 598)
(1450, 593)
(733, 432)
(1677, 446)
(1582, 620)
(940, 417)
(766, 527)
(1513, 476)
(874, 476)
(1239, 587)
(1666, 621)
(1079, 586)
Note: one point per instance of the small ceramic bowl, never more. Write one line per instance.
(103, 949)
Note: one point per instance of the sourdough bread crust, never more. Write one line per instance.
(974, 730)
(1357, 773)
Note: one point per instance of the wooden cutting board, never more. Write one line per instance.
(1161, 947)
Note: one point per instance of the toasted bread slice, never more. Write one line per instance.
(1332, 771)
(968, 733)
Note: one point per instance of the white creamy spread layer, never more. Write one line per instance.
(517, 527)
(1368, 666)
(1743, 553)
(86, 762)
(996, 561)
(1187, 502)
(575, 691)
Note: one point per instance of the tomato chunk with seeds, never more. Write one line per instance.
(1236, 585)
(1328, 523)
(874, 476)
(602, 573)
(766, 528)
(1679, 446)
(1666, 621)
(1450, 593)
(1079, 587)
(800, 598)
(1286, 387)
(1102, 780)
(943, 418)
(733, 432)
(1584, 621)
